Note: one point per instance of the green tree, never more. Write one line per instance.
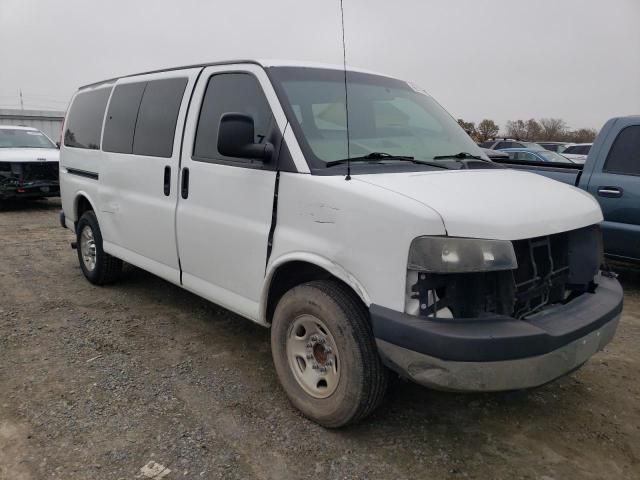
(517, 129)
(533, 130)
(469, 127)
(582, 135)
(487, 129)
(553, 129)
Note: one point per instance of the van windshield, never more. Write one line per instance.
(19, 138)
(385, 115)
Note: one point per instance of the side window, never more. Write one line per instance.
(121, 117)
(624, 156)
(230, 92)
(504, 145)
(487, 144)
(84, 124)
(523, 156)
(155, 127)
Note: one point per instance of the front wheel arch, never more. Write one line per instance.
(292, 270)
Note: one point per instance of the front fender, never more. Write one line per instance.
(312, 258)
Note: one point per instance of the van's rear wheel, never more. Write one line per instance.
(98, 267)
(325, 355)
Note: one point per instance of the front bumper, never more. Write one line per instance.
(36, 189)
(499, 353)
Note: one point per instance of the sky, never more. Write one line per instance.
(501, 59)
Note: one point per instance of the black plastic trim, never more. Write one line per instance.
(83, 173)
(497, 338)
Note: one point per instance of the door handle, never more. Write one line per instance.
(185, 183)
(610, 192)
(167, 180)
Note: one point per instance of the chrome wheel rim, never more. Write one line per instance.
(313, 356)
(88, 248)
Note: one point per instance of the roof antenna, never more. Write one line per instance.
(346, 97)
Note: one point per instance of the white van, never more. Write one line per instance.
(375, 241)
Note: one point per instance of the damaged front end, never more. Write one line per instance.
(491, 315)
(29, 180)
(535, 274)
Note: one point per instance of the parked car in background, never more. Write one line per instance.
(495, 154)
(612, 175)
(528, 155)
(577, 151)
(28, 163)
(553, 146)
(499, 144)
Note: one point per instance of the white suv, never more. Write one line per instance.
(375, 241)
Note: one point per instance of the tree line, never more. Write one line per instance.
(548, 129)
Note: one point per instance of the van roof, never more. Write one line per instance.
(265, 63)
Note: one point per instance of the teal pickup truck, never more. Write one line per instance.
(612, 175)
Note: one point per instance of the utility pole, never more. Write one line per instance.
(21, 101)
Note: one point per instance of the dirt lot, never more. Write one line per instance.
(98, 382)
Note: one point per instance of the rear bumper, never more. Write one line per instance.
(499, 353)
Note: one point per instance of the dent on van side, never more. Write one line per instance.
(428, 261)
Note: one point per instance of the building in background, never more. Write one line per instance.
(48, 122)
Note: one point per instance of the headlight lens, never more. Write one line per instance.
(457, 255)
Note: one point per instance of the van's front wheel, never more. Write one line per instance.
(98, 266)
(325, 355)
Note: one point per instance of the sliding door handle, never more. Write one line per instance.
(185, 183)
(167, 180)
(610, 192)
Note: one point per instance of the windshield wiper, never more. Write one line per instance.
(382, 156)
(460, 156)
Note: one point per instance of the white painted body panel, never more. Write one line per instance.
(28, 155)
(137, 218)
(496, 204)
(361, 231)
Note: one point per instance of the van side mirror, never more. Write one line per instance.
(235, 138)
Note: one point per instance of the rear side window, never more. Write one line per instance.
(121, 117)
(487, 144)
(84, 123)
(230, 92)
(624, 156)
(157, 117)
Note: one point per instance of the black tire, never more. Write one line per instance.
(363, 378)
(107, 268)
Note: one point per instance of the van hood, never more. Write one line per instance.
(498, 204)
(29, 154)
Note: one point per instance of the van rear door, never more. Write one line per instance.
(138, 179)
(226, 204)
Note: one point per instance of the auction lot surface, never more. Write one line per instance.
(98, 382)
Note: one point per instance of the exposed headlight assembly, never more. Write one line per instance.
(459, 255)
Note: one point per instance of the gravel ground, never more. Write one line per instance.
(101, 382)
